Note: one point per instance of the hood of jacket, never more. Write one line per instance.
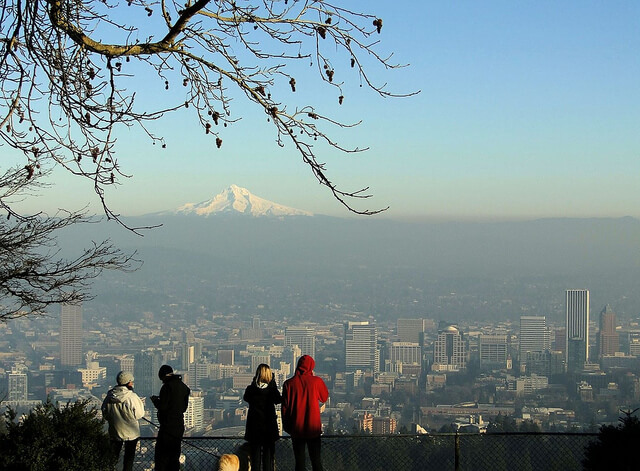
(118, 394)
(306, 364)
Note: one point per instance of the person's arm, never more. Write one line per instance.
(323, 392)
(162, 401)
(284, 408)
(186, 400)
(247, 396)
(138, 407)
(274, 394)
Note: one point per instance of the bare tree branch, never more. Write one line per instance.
(68, 83)
(34, 272)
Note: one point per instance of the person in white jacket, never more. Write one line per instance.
(122, 408)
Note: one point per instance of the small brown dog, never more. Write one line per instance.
(229, 462)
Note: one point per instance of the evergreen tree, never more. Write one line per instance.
(615, 446)
(49, 438)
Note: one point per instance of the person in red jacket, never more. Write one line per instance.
(301, 398)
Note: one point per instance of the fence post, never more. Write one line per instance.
(457, 452)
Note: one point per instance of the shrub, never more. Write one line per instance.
(615, 447)
(55, 439)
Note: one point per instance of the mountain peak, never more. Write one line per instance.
(238, 200)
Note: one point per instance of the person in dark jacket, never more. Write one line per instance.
(171, 405)
(262, 425)
(301, 398)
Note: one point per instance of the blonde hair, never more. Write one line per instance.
(229, 463)
(263, 374)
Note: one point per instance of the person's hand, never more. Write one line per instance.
(322, 407)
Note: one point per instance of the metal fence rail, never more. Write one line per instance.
(442, 452)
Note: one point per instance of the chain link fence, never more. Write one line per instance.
(442, 452)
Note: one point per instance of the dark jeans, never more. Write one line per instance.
(262, 453)
(313, 444)
(129, 452)
(167, 453)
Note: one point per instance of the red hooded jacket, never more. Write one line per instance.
(301, 398)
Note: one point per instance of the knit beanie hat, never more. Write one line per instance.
(164, 371)
(124, 377)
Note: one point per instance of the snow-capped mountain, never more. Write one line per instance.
(236, 199)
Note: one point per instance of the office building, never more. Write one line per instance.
(411, 330)
(577, 329)
(405, 352)
(146, 366)
(449, 352)
(194, 415)
(493, 351)
(608, 338)
(259, 358)
(534, 337)
(361, 347)
(303, 337)
(18, 389)
(404, 357)
(226, 357)
(71, 335)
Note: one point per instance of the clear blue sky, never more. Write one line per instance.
(527, 109)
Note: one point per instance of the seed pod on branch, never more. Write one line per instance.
(378, 24)
(330, 75)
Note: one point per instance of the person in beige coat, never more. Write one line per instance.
(122, 408)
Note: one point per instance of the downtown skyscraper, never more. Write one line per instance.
(71, 335)
(303, 337)
(361, 347)
(534, 337)
(577, 329)
(608, 338)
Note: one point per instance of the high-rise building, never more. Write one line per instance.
(18, 384)
(493, 351)
(361, 347)
(411, 330)
(608, 338)
(194, 415)
(403, 354)
(198, 371)
(303, 337)
(534, 337)
(146, 366)
(127, 363)
(259, 358)
(577, 329)
(449, 352)
(71, 335)
(226, 357)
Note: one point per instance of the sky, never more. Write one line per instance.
(526, 110)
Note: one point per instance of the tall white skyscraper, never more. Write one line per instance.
(361, 347)
(303, 337)
(71, 335)
(577, 329)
